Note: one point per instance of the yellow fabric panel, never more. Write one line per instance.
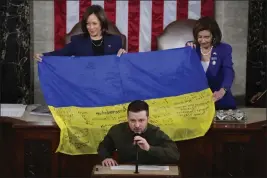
(181, 117)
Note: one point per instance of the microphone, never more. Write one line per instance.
(136, 161)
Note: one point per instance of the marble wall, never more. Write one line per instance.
(15, 72)
(256, 87)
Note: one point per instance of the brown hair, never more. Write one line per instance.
(208, 23)
(100, 14)
(137, 106)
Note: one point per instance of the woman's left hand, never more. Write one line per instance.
(121, 51)
(217, 95)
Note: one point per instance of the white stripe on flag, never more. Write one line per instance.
(170, 11)
(145, 26)
(122, 18)
(72, 13)
(98, 2)
(194, 9)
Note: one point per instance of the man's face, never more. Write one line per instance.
(137, 121)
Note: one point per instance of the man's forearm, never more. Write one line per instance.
(103, 154)
(105, 149)
(165, 153)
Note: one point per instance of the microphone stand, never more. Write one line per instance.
(1, 83)
(136, 161)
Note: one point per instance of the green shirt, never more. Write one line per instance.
(120, 138)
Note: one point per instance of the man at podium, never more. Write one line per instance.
(137, 140)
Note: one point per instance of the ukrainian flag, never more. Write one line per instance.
(87, 95)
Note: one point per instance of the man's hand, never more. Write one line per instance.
(141, 142)
(109, 162)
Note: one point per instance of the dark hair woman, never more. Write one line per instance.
(216, 59)
(95, 41)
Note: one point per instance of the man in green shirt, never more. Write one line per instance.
(153, 145)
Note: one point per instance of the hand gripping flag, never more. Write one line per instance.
(87, 95)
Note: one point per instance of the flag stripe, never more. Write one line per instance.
(83, 6)
(182, 9)
(98, 2)
(122, 18)
(145, 27)
(194, 9)
(169, 12)
(60, 23)
(133, 25)
(157, 19)
(72, 14)
(207, 8)
(137, 67)
(140, 21)
(110, 9)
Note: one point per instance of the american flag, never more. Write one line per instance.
(141, 21)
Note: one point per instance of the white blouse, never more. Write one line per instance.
(205, 65)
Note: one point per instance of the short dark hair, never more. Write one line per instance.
(100, 14)
(208, 23)
(137, 106)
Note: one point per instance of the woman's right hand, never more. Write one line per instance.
(190, 43)
(38, 57)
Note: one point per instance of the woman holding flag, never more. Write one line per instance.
(95, 41)
(216, 59)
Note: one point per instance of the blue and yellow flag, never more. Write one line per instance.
(87, 95)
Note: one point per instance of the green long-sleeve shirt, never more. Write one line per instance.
(162, 149)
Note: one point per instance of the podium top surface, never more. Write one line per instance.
(129, 170)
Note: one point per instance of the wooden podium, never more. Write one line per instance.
(101, 171)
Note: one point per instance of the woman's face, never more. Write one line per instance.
(204, 38)
(93, 26)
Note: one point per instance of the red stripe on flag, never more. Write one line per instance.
(157, 21)
(133, 25)
(110, 9)
(83, 4)
(207, 8)
(59, 23)
(182, 9)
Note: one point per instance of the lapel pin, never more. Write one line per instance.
(109, 46)
(214, 58)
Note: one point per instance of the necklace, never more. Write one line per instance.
(98, 44)
(205, 54)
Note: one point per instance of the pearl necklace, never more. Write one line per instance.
(205, 54)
